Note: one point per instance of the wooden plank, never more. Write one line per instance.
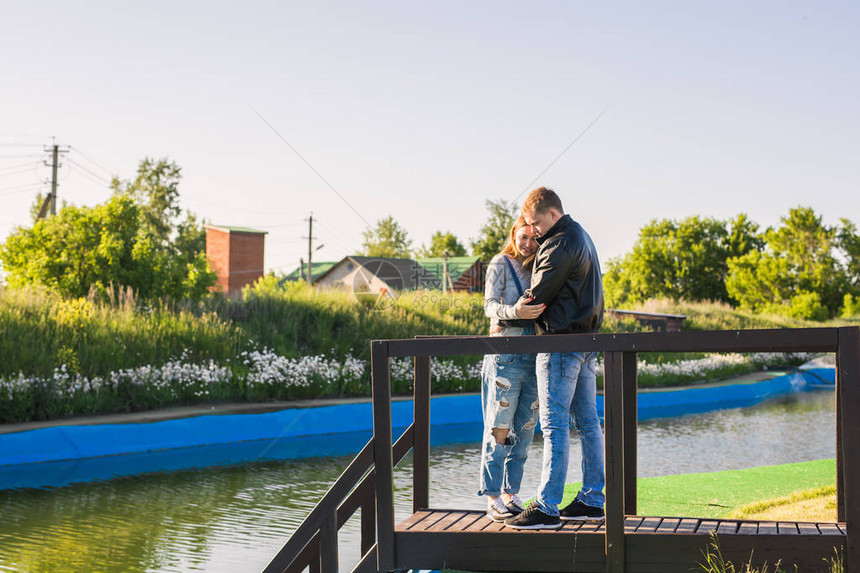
(421, 449)
(431, 520)
(382, 454)
(707, 526)
(479, 524)
(632, 523)
(630, 414)
(840, 472)
(808, 529)
(613, 408)
(727, 528)
(413, 519)
(655, 553)
(669, 525)
(447, 521)
(829, 529)
(467, 521)
(767, 528)
(328, 543)
(748, 528)
(764, 340)
(787, 528)
(687, 525)
(510, 550)
(649, 525)
(849, 371)
(368, 520)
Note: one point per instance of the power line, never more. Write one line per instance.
(101, 166)
(4, 171)
(96, 175)
(318, 174)
(19, 189)
(551, 163)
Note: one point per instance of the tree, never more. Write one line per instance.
(680, 260)
(155, 190)
(440, 243)
(494, 234)
(800, 272)
(113, 246)
(388, 240)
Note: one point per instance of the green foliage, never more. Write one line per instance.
(683, 260)
(115, 246)
(850, 306)
(440, 243)
(494, 234)
(388, 240)
(803, 260)
(155, 191)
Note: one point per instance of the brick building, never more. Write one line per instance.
(236, 256)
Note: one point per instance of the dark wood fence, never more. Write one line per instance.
(370, 477)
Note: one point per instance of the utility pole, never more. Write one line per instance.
(50, 202)
(446, 277)
(310, 248)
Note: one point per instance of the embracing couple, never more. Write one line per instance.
(545, 281)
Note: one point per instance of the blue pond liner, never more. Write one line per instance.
(60, 455)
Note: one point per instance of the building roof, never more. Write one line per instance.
(396, 273)
(317, 269)
(457, 266)
(237, 229)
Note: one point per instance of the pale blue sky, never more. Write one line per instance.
(424, 111)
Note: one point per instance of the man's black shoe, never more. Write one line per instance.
(533, 518)
(578, 511)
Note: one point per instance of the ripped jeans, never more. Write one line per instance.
(510, 401)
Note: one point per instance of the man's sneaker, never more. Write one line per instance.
(515, 506)
(533, 518)
(496, 510)
(578, 511)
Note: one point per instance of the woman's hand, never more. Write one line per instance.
(528, 311)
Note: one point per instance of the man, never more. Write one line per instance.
(566, 277)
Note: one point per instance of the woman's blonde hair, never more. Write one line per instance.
(510, 249)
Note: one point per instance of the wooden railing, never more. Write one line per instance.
(314, 543)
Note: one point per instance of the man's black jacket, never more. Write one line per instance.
(566, 277)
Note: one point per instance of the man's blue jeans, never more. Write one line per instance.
(567, 390)
(509, 399)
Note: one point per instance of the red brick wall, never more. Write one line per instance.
(246, 259)
(218, 253)
(237, 258)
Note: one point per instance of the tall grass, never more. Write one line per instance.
(51, 348)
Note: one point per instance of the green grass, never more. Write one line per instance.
(40, 332)
(717, 494)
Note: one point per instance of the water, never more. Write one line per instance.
(235, 518)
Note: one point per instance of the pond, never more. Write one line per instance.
(234, 518)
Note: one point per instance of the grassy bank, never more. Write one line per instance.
(722, 494)
(65, 357)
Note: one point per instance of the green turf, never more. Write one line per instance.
(716, 494)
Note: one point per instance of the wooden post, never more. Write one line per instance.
(848, 354)
(421, 445)
(368, 520)
(328, 542)
(840, 483)
(630, 410)
(613, 416)
(382, 456)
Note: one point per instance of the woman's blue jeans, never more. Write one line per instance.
(510, 401)
(567, 389)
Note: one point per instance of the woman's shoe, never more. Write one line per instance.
(496, 510)
(515, 506)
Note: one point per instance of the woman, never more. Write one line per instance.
(509, 389)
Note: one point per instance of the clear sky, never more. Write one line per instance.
(425, 111)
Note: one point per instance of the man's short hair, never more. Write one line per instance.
(541, 200)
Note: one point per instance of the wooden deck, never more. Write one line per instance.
(459, 539)
(626, 543)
